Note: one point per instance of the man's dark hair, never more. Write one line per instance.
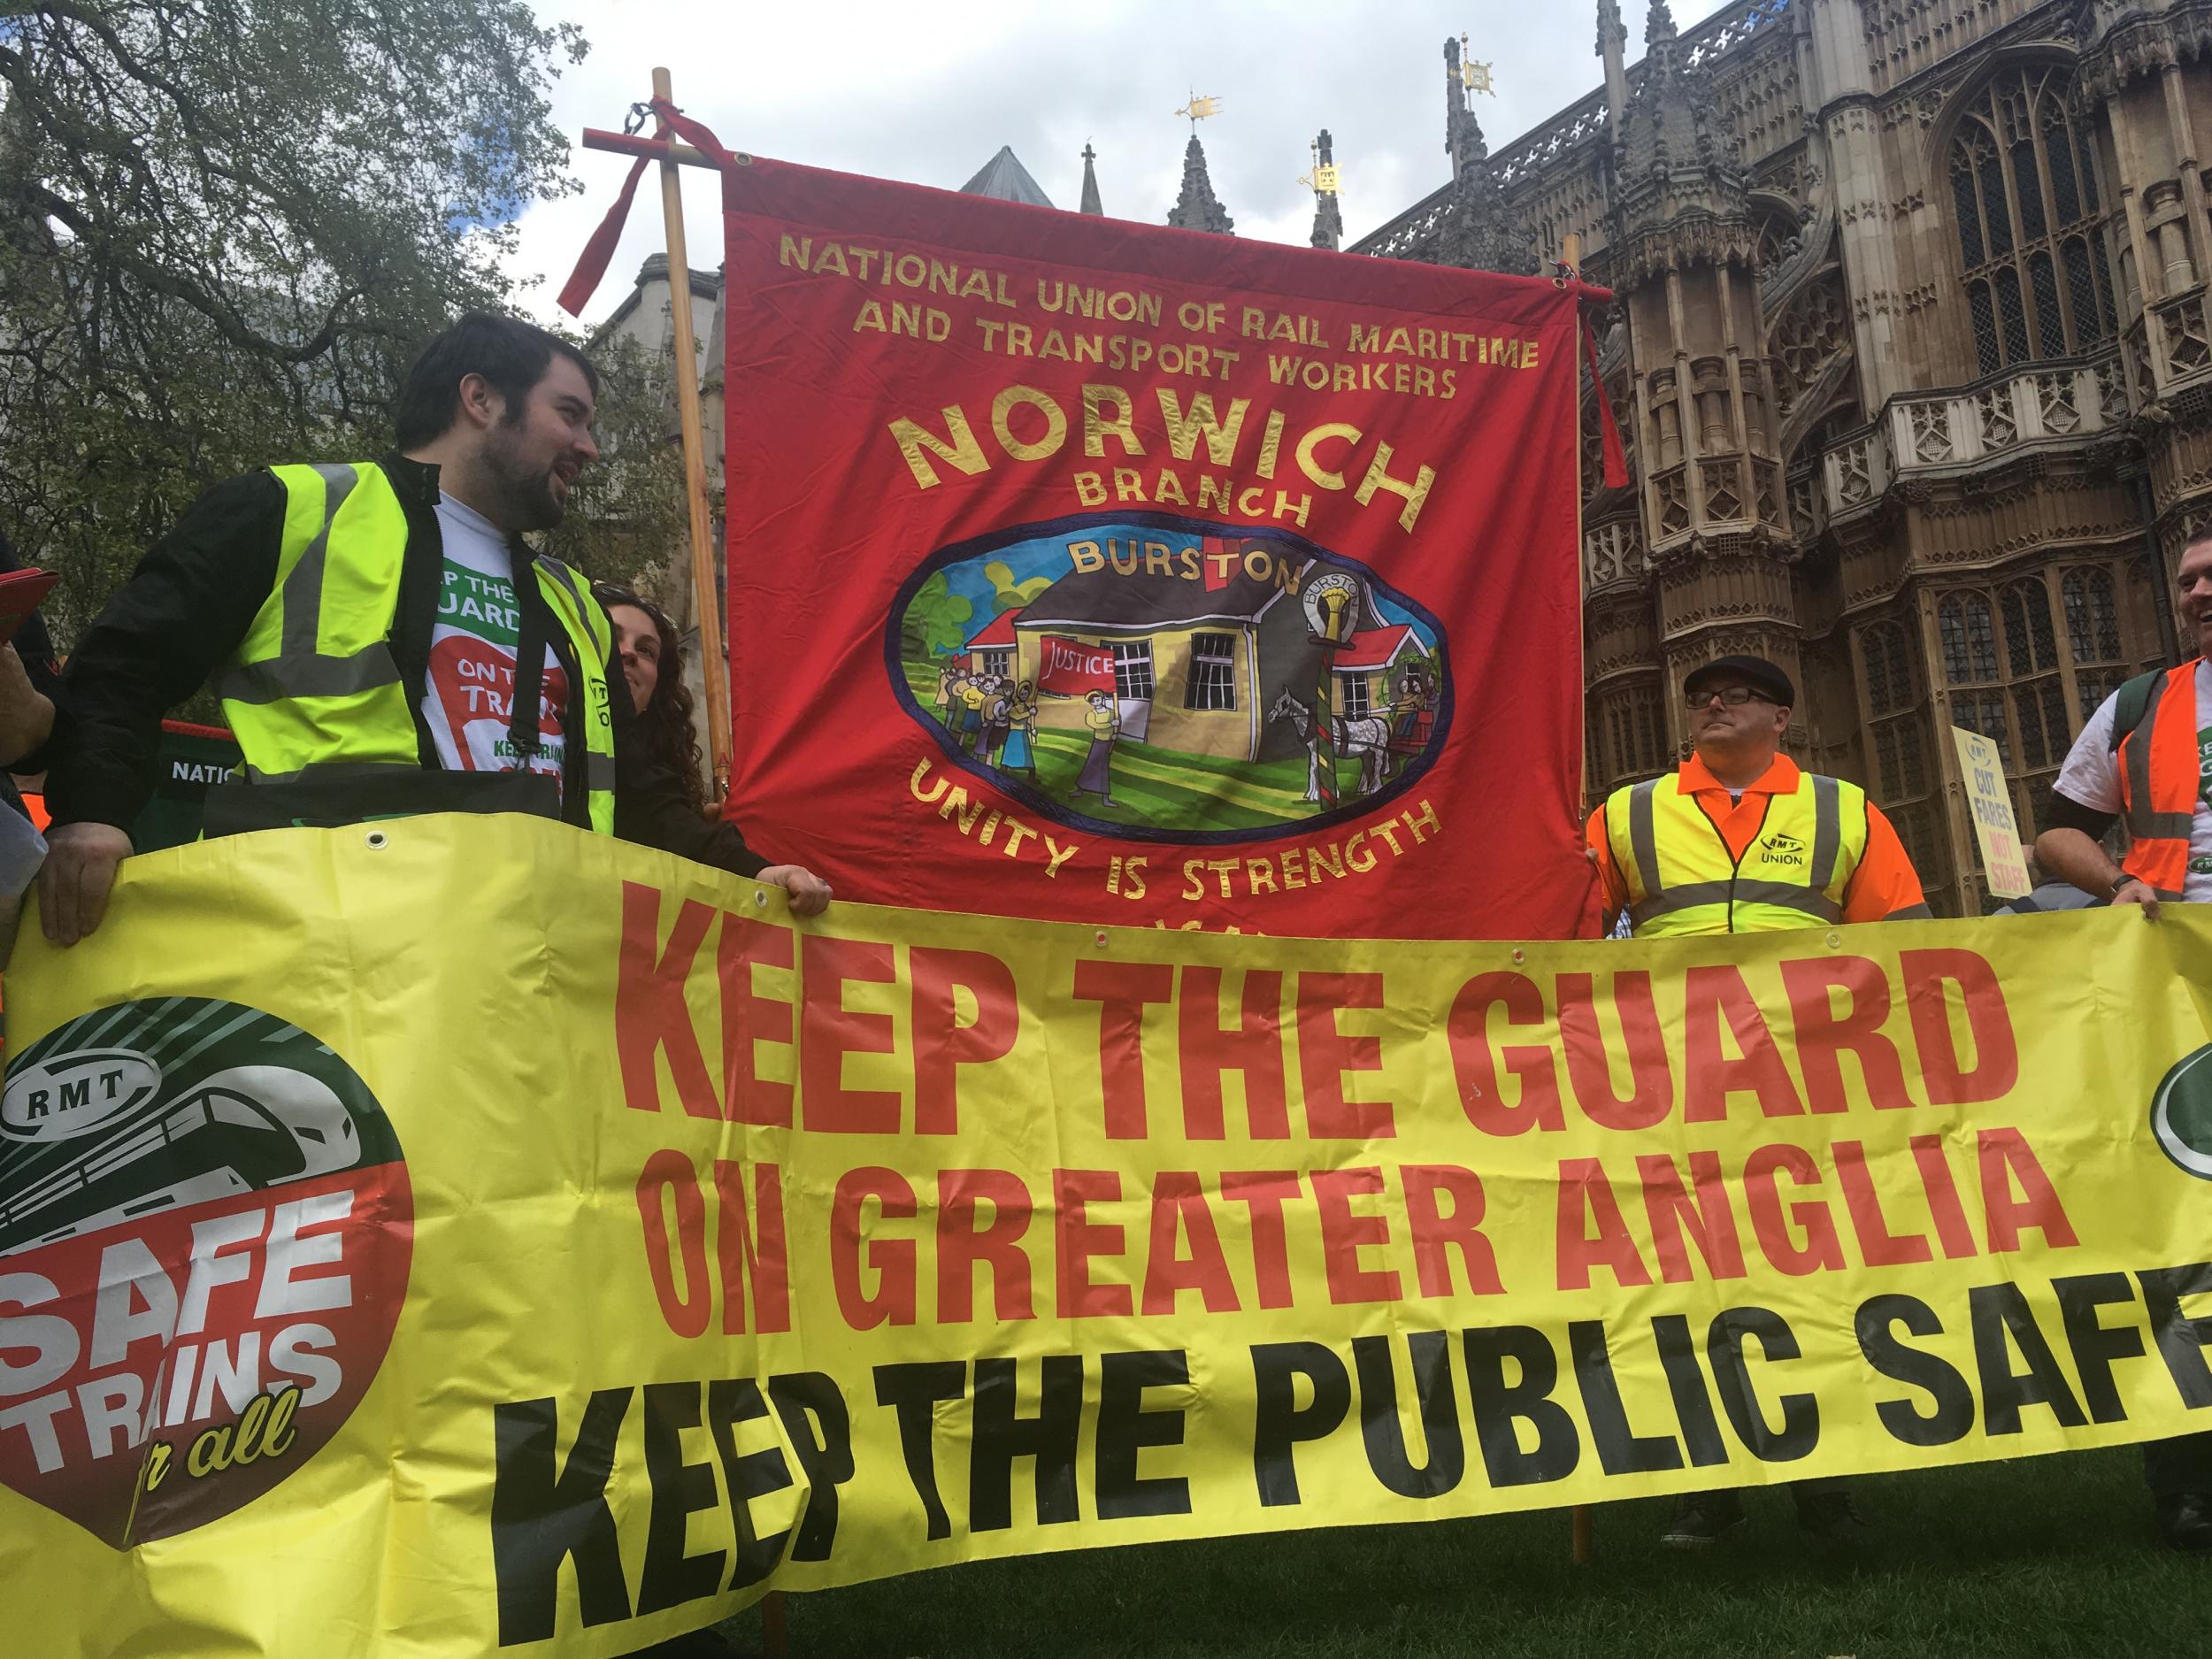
(511, 356)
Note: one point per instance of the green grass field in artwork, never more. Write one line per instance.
(2047, 1556)
(1166, 788)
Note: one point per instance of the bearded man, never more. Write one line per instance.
(383, 641)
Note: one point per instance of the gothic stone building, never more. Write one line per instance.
(1910, 352)
(1911, 357)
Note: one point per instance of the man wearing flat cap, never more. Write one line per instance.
(1738, 840)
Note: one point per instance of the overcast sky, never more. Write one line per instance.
(929, 94)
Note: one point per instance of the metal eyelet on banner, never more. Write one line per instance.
(1099, 937)
(741, 157)
(376, 840)
(1520, 956)
(1834, 939)
(761, 897)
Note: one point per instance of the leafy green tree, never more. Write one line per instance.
(1006, 592)
(628, 520)
(936, 622)
(227, 226)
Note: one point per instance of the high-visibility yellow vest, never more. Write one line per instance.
(1683, 879)
(314, 691)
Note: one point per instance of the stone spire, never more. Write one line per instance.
(1198, 208)
(1091, 204)
(1670, 125)
(1474, 233)
(1458, 115)
(1677, 158)
(1328, 219)
(1679, 252)
(1613, 48)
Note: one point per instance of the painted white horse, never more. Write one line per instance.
(1366, 740)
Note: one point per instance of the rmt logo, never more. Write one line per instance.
(79, 1092)
(1782, 849)
(204, 1231)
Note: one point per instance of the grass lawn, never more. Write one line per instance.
(2047, 1555)
(1165, 787)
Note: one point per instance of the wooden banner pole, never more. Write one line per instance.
(1584, 1543)
(714, 668)
(652, 149)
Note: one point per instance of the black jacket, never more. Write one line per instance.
(36, 649)
(193, 595)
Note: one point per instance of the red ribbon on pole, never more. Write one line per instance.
(591, 264)
(1609, 429)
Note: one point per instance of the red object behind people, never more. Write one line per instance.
(1224, 458)
(1072, 669)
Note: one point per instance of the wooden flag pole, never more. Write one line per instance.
(1583, 1545)
(714, 668)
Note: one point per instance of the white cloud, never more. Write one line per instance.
(927, 95)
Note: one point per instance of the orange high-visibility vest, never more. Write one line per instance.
(2160, 778)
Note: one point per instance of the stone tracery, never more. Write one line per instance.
(1877, 357)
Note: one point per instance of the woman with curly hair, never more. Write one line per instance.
(645, 644)
(652, 661)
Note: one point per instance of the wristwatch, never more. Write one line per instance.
(2121, 881)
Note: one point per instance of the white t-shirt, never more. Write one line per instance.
(468, 694)
(2091, 776)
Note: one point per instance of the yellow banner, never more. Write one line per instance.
(463, 1235)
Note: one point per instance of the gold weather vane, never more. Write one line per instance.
(1474, 76)
(1322, 179)
(1199, 108)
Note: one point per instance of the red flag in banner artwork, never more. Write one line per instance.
(1069, 668)
(1084, 570)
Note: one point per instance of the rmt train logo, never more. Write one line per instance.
(204, 1231)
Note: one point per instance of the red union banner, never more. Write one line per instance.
(1306, 520)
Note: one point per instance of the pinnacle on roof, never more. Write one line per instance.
(1610, 24)
(1328, 217)
(1670, 121)
(1005, 179)
(1674, 148)
(1197, 208)
(1091, 204)
(1474, 234)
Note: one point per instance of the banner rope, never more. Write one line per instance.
(591, 264)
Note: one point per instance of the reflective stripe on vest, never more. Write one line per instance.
(314, 691)
(2160, 776)
(592, 635)
(313, 682)
(1682, 878)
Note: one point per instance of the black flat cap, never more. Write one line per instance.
(1755, 672)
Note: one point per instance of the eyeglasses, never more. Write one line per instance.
(1734, 696)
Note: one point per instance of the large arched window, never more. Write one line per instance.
(2023, 189)
(1629, 737)
(1967, 626)
(2092, 629)
(2007, 672)
(1897, 743)
(2039, 694)
(1886, 653)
